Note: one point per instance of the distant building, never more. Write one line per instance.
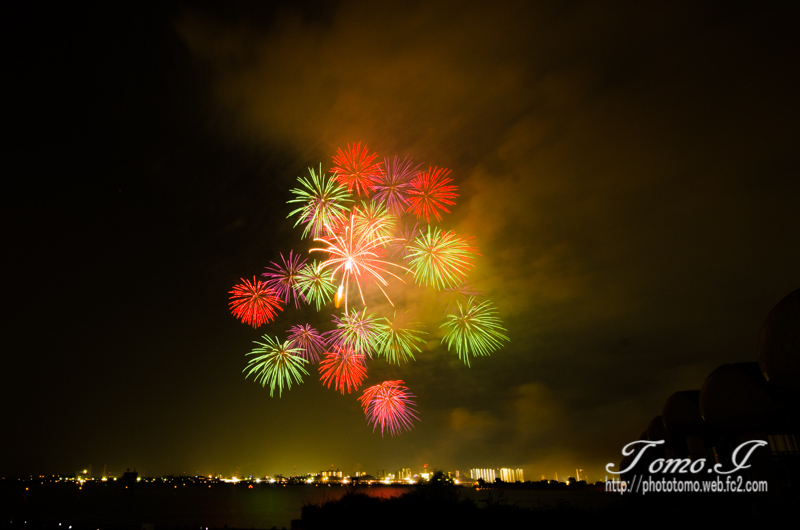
(488, 475)
(404, 474)
(511, 475)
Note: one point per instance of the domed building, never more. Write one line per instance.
(779, 348)
(740, 402)
(690, 434)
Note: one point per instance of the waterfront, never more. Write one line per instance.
(220, 505)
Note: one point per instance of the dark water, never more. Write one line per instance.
(234, 506)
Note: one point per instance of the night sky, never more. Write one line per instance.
(629, 173)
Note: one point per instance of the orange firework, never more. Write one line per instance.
(355, 251)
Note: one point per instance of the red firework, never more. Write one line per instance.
(430, 193)
(254, 302)
(354, 168)
(344, 368)
(389, 405)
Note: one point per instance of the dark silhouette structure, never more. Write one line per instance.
(737, 403)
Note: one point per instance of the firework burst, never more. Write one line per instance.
(323, 203)
(308, 341)
(276, 364)
(355, 252)
(316, 284)
(398, 338)
(343, 367)
(474, 329)
(440, 259)
(354, 168)
(284, 278)
(357, 331)
(389, 405)
(393, 187)
(373, 214)
(430, 193)
(364, 242)
(255, 303)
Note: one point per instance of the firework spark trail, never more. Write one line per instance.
(284, 278)
(355, 253)
(389, 405)
(323, 203)
(474, 329)
(394, 185)
(440, 259)
(354, 168)
(355, 331)
(458, 294)
(276, 363)
(255, 303)
(343, 367)
(374, 214)
(315, 284)
(308, 341)
(430, 193)
(398, 338)
(398, 247)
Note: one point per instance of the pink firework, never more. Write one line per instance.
(255, 303)
(354, 168)
(284, 278)
(344, 368)
(430, 193)
(389, 405)
(308, 341)
(394, 185)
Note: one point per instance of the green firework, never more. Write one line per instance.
(276, 363)
(356, 331)
(374, 214)
(316, 284)
(323, 203)
(398, 338)
(459, 294)
(440, 259)
(474, 329)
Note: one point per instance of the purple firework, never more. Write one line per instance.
(283, 279)
(397, 247)
(392, 188)
(308, 340)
